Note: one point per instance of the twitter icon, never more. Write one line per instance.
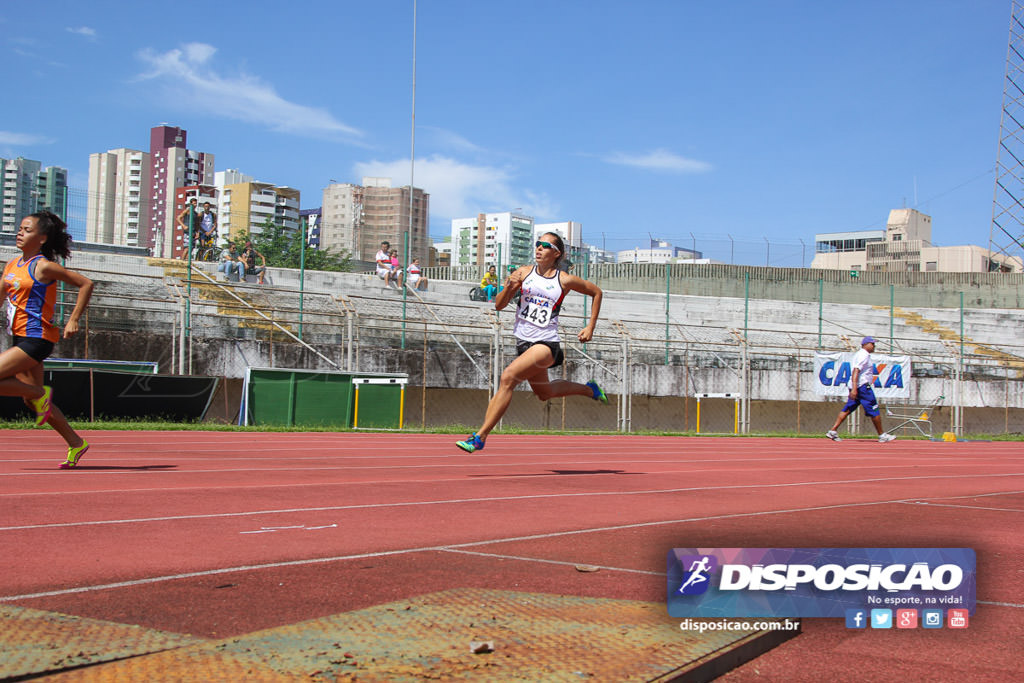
(881, 618)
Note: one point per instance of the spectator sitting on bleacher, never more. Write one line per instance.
(415, 279)
(231, 263)
(489, 283)
(383, 259)
(396, 268)
(249, 256)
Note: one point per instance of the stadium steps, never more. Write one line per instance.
(227, 305)
(944, 333)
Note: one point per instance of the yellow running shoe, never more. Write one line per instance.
(42, 406)
(75, 454)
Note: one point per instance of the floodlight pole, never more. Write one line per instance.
(412, 176)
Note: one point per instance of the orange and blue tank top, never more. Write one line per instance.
(29, 303)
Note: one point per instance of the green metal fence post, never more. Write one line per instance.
(302, 271)
(821, 298)
(892, 312)
(746, 301)
(668, 299)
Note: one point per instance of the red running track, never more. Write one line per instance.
(221, 534)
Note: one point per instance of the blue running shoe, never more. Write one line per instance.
(471, 444)
(599, 394)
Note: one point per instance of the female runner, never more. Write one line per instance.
(542, 288)
(29, 290)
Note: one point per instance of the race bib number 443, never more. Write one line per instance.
(535, 313)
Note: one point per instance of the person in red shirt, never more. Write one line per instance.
(28, 289)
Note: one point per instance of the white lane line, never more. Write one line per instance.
(965, 507)
(452, 501)
(469, 478)
(999, 604)
(437, 548)
(403, 551)
(616, 457)
(499, 556)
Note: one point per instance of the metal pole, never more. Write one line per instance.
(892, 312)
(959, 402)
(746, 301)
(302, 272)
(412, 172)
(405, 290)
(188, 272)
(821, 295)
(668, 299)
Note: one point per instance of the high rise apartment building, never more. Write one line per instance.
(341, 217)
(488, 239)
(117, 210)
(19, 183)
(357, 218)
(247, 206)
(172, 166)
(52, 191)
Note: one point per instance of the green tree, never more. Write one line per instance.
(283, 249)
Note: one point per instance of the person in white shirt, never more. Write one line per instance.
(416, 280)
(862, 380)
(383, 259)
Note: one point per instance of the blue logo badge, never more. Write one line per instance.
(697, 571)
(856, 618)
(881, 618)
(931, 618)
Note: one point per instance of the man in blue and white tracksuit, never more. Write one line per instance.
(862, 380)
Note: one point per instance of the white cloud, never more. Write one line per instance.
(188, 77)
(447, 139)
(83, 31)
(23, 139)
(659, 160)
(458, 189)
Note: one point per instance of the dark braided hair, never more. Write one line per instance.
(58, 241)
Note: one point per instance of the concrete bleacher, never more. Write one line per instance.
(771, 324)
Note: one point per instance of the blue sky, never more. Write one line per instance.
(746, 126)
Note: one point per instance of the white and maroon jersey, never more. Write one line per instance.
(539, 302)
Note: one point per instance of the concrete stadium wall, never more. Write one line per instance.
(783, 396)
(929, 290)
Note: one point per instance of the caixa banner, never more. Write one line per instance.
(817, 582)
(832, 373)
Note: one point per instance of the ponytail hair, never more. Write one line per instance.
(58, 241)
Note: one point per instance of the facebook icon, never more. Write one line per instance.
(856, 618)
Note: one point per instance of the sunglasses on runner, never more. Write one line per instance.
(546, 245)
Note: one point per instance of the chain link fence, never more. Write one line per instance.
(668, 362)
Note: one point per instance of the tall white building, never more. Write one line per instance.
(341, 216)
(118, 207)
(493, 239)
(19, 179)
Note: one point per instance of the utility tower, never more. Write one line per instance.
(1006, 235)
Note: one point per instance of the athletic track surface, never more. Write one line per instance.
(221, 534)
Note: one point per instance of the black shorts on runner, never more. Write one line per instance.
(37, 349)
(556, 350)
